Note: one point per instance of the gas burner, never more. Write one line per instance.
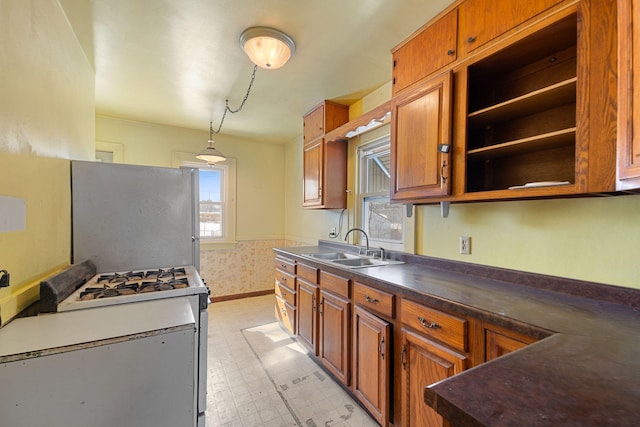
(120, 277)
(164, 285)
(164, 273)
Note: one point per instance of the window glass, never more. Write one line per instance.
(381, 220)
(212, 198)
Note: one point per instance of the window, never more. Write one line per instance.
(217, 201)
(382, 220)
(212, 196)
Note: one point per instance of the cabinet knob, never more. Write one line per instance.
(450, 52)
(471, 39)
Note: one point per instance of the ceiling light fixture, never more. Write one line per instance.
(210, 154)
(267, 48)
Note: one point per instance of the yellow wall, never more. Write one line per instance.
(593, 239)
(46, 117)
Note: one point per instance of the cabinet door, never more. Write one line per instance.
(483, 20)
(286, 314)
(421, 125)
(313, 173)
(628, 93)
(428, 51)
(371, 362)
(314, 124)
(424, 362)
(307, 314)
(497, 344)
(334, 335)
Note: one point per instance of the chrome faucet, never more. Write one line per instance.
(363, 233)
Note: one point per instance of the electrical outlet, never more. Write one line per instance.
(333, 233)
(465, 245)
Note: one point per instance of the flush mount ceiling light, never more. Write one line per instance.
(267, 47)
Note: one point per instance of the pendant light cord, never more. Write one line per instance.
(227, 109)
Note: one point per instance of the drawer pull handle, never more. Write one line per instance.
(381, 348)
(283, 279)
(283, 265)
(367, 298)
(427, 324)
(450, 52)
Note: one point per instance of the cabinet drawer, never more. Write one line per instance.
(289, 295)
(285, 278)
(335, 284)
(285, 265)
(444, 327)
(374, 299)
(310, 274)
(286, 314)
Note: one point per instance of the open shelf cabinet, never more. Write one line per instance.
(521, 112)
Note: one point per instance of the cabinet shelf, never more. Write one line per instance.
(542, 99)
(564, 137)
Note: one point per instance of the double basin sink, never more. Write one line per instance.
(349, 260)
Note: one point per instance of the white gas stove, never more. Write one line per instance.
(140, 333)
(133, 286)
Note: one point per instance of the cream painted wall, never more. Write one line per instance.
(46, 117)
(260, 167)
(47, 87)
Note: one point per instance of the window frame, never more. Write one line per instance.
(364, 150)
(228, 169)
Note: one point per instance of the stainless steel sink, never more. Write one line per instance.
(349, 260)
(363, 262)
(331, 256)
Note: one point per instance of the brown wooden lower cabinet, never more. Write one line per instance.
(308, 315)
(286, 314)
(424, 362)
(334, 328)
(371, 363)
(500, 341)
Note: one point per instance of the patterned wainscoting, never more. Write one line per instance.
(242, 271)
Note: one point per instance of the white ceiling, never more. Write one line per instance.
(175, 62)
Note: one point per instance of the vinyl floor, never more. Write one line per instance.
(259, 376)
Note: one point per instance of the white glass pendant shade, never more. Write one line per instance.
(211, 155)
(267, 47)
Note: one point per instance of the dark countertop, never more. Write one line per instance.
(584, 372)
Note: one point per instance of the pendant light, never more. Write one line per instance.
(210, 154)
(267, 48)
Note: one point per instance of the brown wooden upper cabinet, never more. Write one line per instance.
(324, 161)
(484, 20)
(428, 50)
(628, 95)
(532, 114)
(420, 139)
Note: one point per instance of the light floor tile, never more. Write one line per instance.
(258, 376)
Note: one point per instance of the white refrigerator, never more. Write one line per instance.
(128, 217)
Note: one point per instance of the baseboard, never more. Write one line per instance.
(240, 296)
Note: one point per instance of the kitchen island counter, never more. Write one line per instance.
(585, 371)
